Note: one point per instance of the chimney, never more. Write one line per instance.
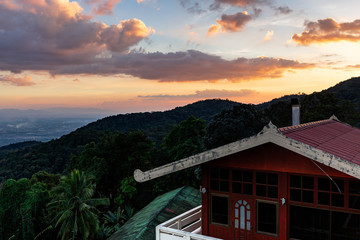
(295, 111)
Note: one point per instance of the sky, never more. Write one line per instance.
(151, 55)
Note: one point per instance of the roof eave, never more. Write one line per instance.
(269, 134)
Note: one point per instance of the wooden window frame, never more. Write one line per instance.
(266, 185)
(257, 217)
(220, 180)
(346, 194)
(228, 210)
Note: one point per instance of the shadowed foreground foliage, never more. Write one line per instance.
(74, 209)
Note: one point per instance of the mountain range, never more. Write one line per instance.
(23, 159)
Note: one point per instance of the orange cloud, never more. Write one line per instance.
(328, 30)
(269, 35)
(47, 35)
(103, 7)
(17, 81)
(230, 23)
(188, 66)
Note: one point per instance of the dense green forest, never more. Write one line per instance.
(81, 185)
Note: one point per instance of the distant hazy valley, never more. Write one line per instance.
(43, 125)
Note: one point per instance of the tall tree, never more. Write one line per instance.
(186, 139)
(231, 125)
(74, 209)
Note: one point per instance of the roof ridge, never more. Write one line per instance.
(307, 125)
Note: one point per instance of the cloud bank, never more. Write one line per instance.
(188, 66)
(328, 30)
(46, 35)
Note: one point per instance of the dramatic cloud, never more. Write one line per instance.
(46, 35)
(269, 35)
(17, 81)
(103, 7)
(209, 93)
(328, 30)
(230, 23)
(187, 66)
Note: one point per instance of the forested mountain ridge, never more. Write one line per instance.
(157, 125)
(347, 90)
(20, 160)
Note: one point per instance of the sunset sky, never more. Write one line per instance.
(149, 55)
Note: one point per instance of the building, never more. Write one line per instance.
(167, 206)
(298, 182)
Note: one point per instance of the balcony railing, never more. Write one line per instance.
(186, 226)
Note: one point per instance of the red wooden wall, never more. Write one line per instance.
(268, 157)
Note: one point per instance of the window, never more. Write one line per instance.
(242, 215)
(242, 182)
(354, 195)
(302, 189)
(219, 179)
(219, 209)
(309, 223)
(319, 224)
(267, 217)
(331, 193)
(266, 185)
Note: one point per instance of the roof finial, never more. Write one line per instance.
(333, 117)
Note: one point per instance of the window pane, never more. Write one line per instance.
(219, 207)
(272, 192)
(340, 184)
(337, 200)
(224, 174)
(272, 179)
(354, 202)
(214, 173)
(308, 182)
(309, 223)
(324, 184)
(266, 217)
(308, 196)
(236, 187)
(261, 190)
(295, 195)
(345, 226)
(324, 198)
(242, 217)
(295, 181)
(224, 186)
(247, 189)
(261, 177)
(236, 175)
(214, 185)
(354, 187)
(247, 176)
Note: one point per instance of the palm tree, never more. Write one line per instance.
(73, 209)
(114, 220)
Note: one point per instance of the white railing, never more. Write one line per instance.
(186, 226)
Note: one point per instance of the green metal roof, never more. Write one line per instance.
(169, 205)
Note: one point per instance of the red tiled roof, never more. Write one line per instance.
(330, 136)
